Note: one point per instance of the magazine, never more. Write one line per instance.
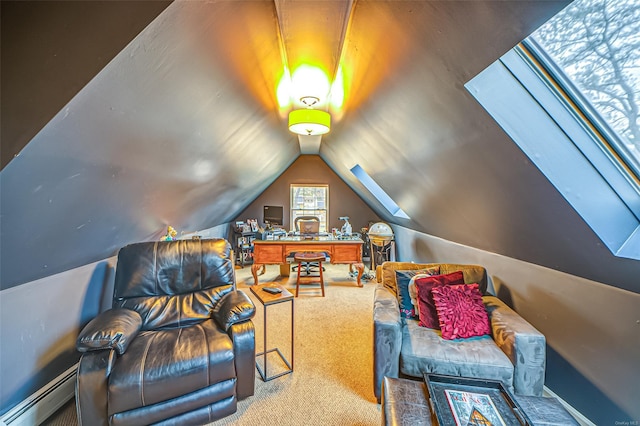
(473, 409)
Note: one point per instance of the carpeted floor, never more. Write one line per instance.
(332, 382)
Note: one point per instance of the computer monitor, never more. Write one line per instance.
(273, 215)
(309, 227)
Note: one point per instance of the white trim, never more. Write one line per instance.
(580, 418)
(44, 402)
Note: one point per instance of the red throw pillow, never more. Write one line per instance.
(428, 314)
(461, 311)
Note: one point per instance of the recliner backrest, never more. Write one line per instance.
(173, 283)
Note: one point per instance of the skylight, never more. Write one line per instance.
(569, 97)
(592, 49)
(378, 192)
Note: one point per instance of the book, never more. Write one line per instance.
(472, 409)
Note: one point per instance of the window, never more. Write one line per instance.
(310, 200)
(592, 49)
(380, 194)
(556, 97)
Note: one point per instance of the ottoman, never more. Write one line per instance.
(405, 402)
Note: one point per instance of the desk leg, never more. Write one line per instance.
(254, 271)
(360, 268)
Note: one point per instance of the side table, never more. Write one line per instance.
(267, 299)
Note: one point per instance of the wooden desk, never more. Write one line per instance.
(275, 252)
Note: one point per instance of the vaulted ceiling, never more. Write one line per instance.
(128, 116)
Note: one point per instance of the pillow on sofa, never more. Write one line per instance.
(413, 292)
(428, 314)
(402, 283)
(460, 311)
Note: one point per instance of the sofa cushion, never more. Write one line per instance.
(428, 314)
(188, 358)
(385, 273)
(425, 351)
(413, 292)
(403, 277)
(461, 312)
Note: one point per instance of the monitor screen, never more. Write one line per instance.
(273, 215)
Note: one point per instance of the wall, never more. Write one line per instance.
(591, 328)
(311, 169)
(45, 62)
(40, 321)
(166, 133)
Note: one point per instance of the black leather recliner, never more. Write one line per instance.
(178, 345)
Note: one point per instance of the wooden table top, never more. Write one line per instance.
(267, 298)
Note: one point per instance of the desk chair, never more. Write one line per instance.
(307, 226)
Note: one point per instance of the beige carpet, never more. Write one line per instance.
(332, 382)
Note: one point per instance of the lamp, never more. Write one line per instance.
(309, 121)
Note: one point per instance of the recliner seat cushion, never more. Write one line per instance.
(424, 351)
(164, 364)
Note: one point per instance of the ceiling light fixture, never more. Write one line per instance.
(309, 122)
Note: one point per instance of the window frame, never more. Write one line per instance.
(614, 163)
(324, 224)
(554, 134)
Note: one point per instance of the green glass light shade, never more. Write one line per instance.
(309, 122)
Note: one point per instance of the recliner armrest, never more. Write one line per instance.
(387, 337)
(112, 329)
(234, 307)
(522, 343)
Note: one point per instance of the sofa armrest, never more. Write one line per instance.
(387, 337)
(92, 377)
(112, 329)
(234, 307)
(522, 343)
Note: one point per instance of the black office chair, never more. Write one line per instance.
(309, 266)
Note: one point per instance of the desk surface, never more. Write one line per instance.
(272, 252)
(301, 239)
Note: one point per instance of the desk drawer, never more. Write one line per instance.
(291, 248)
(267, 253)
(347, 253)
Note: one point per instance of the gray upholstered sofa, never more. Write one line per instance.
(514, 353)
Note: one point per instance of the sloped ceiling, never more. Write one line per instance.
(183, 127)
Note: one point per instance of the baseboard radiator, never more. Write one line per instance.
(38, 407)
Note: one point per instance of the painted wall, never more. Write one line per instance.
(591, 328)
(40, 321)
(311, 169)
(50, 63)
(169, 132)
